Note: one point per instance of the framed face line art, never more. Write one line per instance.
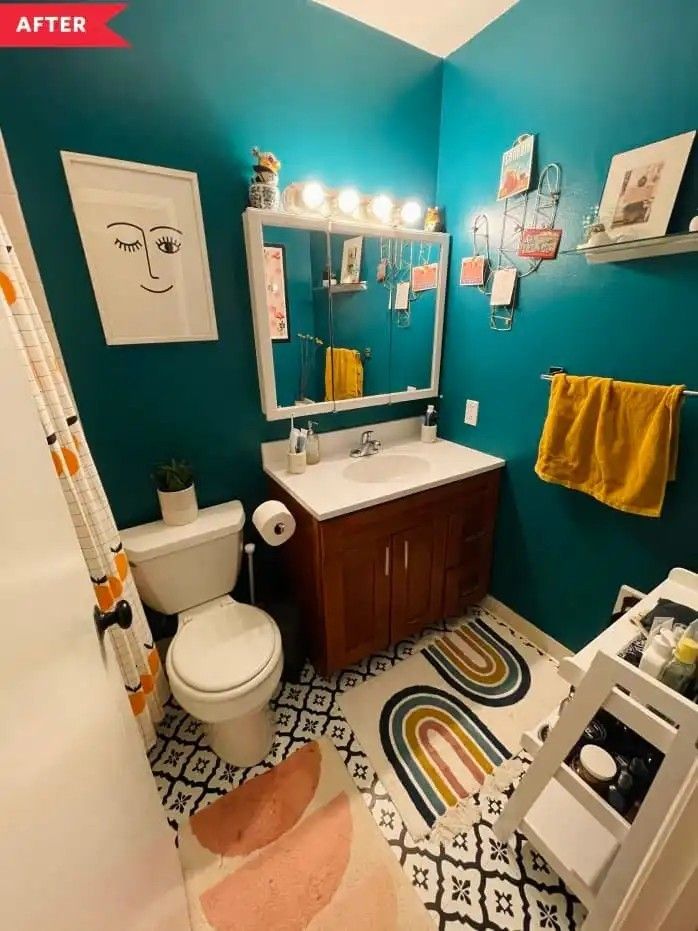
(166, 243)
(143, 237)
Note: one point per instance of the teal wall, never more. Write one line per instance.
(591, 79)
(203, 83)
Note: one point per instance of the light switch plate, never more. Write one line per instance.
(472, 409)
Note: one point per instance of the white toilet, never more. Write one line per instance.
(225, 660)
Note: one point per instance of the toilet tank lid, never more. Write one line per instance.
(157, 539)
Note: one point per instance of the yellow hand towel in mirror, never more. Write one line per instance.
(344, 374)
(616, 441)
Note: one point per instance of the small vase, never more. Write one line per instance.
(179, 507)
(264, 195)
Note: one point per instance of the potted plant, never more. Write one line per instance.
(175, 485)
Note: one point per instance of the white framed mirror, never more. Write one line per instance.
(346, 315)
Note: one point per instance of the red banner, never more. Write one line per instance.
(59, 25)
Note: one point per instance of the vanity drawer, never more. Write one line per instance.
(468, 582)
(470, 520)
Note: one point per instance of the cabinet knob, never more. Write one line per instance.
(121, 614)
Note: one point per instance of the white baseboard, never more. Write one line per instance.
(547, 643)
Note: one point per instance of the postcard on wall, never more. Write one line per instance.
(143, 237)
(277, 302)
(517, 168)
(503, 287)
(425, 277)
(472, 270)
(540, 243)
(402, 296)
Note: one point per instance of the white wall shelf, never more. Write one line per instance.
(344, 288)
(674, 244)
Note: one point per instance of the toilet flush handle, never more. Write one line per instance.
(121, 615)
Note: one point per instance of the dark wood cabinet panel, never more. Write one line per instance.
(356, 581)
(374, 576)
(417, 577)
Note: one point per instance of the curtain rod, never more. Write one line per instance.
(549, 377)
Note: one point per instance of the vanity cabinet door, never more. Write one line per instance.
(417, 576)
(356, 581)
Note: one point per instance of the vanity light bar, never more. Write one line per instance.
(311, 198)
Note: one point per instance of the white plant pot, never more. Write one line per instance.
(179, 507)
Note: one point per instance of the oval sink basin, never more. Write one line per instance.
(386, 468)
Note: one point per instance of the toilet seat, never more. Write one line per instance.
(225, 648)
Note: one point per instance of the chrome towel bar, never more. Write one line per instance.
(551, 375)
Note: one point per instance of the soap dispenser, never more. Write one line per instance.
(312, 444)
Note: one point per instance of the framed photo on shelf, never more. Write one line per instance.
(517, 168)
(472, 271)
(351, 260)
(277, 293)
(641, 188)
(540, 243)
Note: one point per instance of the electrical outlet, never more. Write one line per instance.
(472, 409)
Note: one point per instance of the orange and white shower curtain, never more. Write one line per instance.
(96, 531)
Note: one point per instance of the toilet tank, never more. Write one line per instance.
(176, 568)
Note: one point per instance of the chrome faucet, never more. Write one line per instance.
(368, 447)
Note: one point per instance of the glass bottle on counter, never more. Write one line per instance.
(312, 444)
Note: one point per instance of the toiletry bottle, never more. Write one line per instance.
(679, 671)
(312, 445)
(657, 654)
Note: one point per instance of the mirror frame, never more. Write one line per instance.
(254, 220)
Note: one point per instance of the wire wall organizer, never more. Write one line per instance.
(397, 259)
(481, 249)
(528, 210)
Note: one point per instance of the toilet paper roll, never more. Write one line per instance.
(275, 522)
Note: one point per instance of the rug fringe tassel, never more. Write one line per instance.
(467, 812)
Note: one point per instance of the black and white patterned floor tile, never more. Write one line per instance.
(472, 882)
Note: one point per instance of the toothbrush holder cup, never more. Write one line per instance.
(296, 463)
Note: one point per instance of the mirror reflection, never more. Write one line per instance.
(412, 267)
(298, 308)
(360, 357)
(351, 316)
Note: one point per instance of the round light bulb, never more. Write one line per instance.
(313, 195)
(382, 207)
(348, 201)
(411, 212)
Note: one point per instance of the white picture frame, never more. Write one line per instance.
(641, 188)
(351, 260)
(143, 236)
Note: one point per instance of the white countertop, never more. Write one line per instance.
(326, 491)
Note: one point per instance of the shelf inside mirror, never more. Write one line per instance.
(671, 244)
(343, 288)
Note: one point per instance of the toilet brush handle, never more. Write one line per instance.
(249, 549)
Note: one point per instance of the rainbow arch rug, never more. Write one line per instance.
(446, 722)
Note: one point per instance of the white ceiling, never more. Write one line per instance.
(437, 26)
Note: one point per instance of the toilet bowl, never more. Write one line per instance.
(225, 661)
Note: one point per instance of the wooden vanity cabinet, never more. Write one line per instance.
(370, 578)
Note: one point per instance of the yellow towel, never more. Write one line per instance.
(615, 440)
(344, 374)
